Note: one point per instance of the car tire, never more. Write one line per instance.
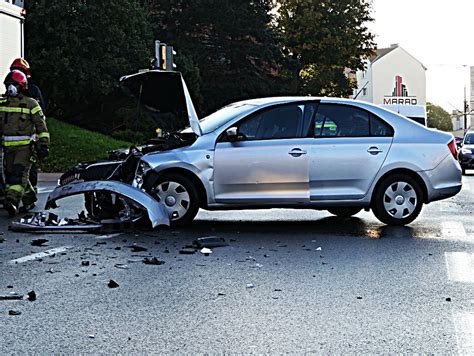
(397, 200)
(344, 212)
(179, 196)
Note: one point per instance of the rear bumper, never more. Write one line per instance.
(444, 181)
(444, 193)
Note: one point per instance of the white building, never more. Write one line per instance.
(11, 35)
(392, 77)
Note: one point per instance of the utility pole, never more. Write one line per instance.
(466, 109)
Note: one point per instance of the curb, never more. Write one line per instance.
(48, 177)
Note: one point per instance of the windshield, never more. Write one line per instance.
(222, 116)
(469, 139)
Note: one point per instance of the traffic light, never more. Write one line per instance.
(164, 56)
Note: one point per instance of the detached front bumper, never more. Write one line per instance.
(157, 213)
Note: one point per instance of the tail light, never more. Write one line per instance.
(452, 148)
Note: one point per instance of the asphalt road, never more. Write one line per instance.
(290, 281)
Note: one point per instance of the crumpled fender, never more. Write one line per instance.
(156, 211)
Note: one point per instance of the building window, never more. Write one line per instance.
(364, 91)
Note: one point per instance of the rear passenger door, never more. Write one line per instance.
(350, 146)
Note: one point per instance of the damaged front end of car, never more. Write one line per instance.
(110, 191)
(114, 204)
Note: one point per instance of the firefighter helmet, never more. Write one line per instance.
(17, 77)
(21, 65)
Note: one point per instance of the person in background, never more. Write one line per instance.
(21, 119)
(34, 92)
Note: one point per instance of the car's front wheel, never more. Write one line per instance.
(344, 212)
(397, 200)
(179, 196)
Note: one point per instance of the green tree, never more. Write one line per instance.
(232, 43)
(438, 117)
(321, 38)
(79, 49)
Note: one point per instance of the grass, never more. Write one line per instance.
(71, 144)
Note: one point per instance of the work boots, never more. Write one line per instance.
(10, 207)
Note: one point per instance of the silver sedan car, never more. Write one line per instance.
(330, 154)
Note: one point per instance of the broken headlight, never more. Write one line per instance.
(142, 169)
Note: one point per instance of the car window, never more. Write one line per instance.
(276, 123)
(378, 127)
(347, 121)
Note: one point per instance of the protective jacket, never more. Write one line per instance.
(34, 92)
(21, 120)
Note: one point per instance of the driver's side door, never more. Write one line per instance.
(268, 163)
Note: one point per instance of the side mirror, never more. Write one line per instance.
(232, 133)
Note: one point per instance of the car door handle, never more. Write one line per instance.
(296, 152)
(374, 150)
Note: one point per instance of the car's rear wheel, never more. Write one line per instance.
(397, 200)
(179, 196)
(344, 212)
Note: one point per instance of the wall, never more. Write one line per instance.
(411, 76)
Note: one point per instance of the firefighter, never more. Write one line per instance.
(21, 119)
(34, 92)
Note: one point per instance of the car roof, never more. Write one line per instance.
(290, 99)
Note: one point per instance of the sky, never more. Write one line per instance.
(440, 34)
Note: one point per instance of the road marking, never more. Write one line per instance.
(460, 266)
(464, 327)
(38, 255)
(466, 186)
(108, 236)
(453, 230)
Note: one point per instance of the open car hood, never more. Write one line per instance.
(162, 91)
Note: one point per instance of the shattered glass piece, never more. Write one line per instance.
(137, 248)
(39, 242)
(206, 251)
(153, 261)
(249, 286)
(31, 296)
(210, 242)
(112, 284)
(121, 266)
(187, 251)
(11, 297)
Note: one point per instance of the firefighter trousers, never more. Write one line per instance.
(18, 161)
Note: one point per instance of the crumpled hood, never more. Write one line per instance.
(162, 91)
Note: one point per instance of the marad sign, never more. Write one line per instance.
(400, 94)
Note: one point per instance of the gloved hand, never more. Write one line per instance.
(42, 151)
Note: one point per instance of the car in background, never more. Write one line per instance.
(458, 141)
(466, 153)
(323, 153)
